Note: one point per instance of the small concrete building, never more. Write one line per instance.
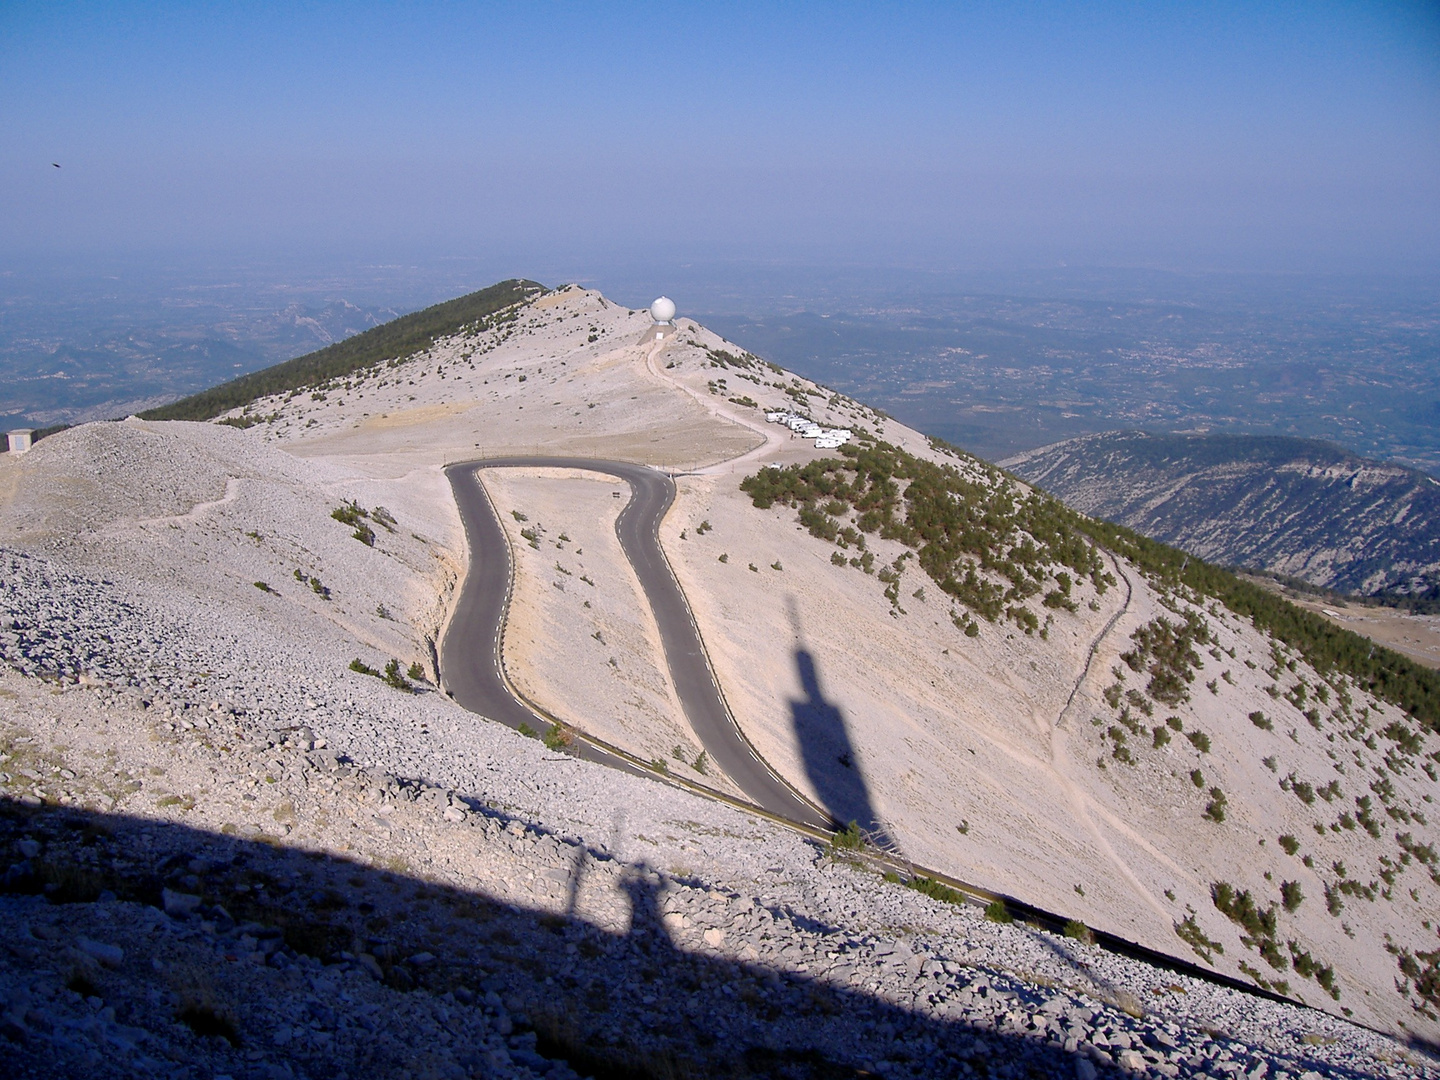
(20, 440)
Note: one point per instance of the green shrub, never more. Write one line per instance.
(1291, 895)
(1060, 601)
(350, 513)
(1259, 719)
(849, 838)
(1241, 909)
(1412, 742)
(415, 671)
(1078, 931)
(248, 421)
(936, 890)
(1290, 844)
(1423, 969)
(363, 668)
(1215, 808)
(393, 676)
(1166, 651)
(1189, 932)
(1333, 904)
(264, 587)
(996, 911)
(353, 514)
(556, 738)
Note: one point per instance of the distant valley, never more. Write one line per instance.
(1297, 507)
(1007, 364)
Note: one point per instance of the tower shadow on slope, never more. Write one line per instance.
(828, 754)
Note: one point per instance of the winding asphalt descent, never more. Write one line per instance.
(470, 652)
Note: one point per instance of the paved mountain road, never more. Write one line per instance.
(470, 652)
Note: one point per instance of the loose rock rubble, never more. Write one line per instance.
(220, 859)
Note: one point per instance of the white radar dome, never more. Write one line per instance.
(662, 310)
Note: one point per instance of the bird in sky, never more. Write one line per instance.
(53, 163)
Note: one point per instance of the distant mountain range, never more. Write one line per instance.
(1297, 507)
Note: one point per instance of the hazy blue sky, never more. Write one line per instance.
(1177, 135)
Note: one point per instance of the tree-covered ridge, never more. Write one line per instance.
(394, 340)
(982, 538)
(989, 542)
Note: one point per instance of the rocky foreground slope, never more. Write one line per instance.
(1298, 507)
(909, 638)
(195, 885)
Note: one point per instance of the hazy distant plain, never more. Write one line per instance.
(1031, 360)
(996, 362)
